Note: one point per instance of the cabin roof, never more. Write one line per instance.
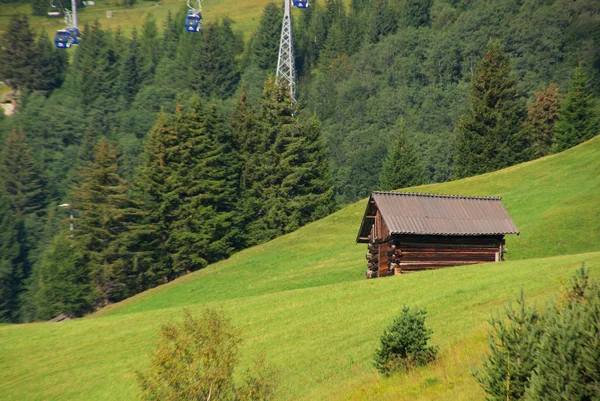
(431, 214)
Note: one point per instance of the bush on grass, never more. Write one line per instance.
(404, 343)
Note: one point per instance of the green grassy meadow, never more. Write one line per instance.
(246, 14)
(303, 301)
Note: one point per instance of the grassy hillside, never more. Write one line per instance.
(302, 299)
(246, 14)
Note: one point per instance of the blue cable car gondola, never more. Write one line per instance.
(193, 21)
(301, 3)
(65, 38)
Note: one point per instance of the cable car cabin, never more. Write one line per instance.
(301, 3)
(65, 38)
(408, 232)
(193, 21)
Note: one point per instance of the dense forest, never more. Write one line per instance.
(155, 152)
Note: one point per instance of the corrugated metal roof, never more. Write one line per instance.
(431, 214)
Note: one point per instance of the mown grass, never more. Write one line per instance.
(245, 14)
(303, 300)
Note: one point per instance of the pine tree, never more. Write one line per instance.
(513, 345)
(108, 228)
(17, 57)
(11, 263)
(215, 70)
(130, 74)
(416, 13)
(401, 168)
(63, 282)
(541, 120)
(488, 133)
(264, 47)
(383, 21)
(50, 65)
(577, 119)
(285, 180)
(189, 184)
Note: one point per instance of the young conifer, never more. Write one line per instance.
(541, 120)
(108, 228)
(401, 167)
(577, 120)
(488, 133)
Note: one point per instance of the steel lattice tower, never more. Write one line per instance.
(286, 72)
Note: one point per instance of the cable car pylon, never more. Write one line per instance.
(286, 72)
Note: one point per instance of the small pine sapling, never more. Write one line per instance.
(404, 343)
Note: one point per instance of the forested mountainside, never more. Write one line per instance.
(173, 150)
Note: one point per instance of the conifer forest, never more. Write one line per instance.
(144, 154)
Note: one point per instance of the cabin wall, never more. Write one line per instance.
(413, 253)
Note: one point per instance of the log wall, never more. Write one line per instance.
(404, 254)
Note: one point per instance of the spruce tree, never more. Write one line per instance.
(109, 229)
(63, 281)
(12, 258)
(264, 47)
(514, 345)
(17, 57)
(285, 177)
(488, 133)
(21, 192)
(577, 119)
(541, 120)
(189, 183)
(401, 168)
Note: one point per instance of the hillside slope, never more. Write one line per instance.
(302, 299)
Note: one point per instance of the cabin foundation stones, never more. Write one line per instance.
(407, 232)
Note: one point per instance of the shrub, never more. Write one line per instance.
(404, 343)
(547, 356)
(196, 359)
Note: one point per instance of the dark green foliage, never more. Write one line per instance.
(264, 46)
(488, 133)
(17, 58)
(63, 281)
(577, 120)
(108, 229)
(551, 355)
(513, 349)
(403, 345)
(11, 263)
(285, 179)
(189, 184)
(21, 204)
(196, 360)
(383, 21)
(416, 13)
(401, 167)
(541, 120)
(567, 361)
(214, 71)
(40, 7)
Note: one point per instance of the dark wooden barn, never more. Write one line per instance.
(412, 231)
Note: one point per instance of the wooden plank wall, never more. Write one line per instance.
(412, 254)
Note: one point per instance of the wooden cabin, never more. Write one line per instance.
(407, 232)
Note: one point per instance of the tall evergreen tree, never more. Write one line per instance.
(108, 228)
(401, 166)
(189, 184)
(22, 196)
(577, 120)
(541, 120)
(264, 45)
(63, 283)
(285, 178)
(215, 70)
(17, 57)
(11, 263)
(488, 133)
